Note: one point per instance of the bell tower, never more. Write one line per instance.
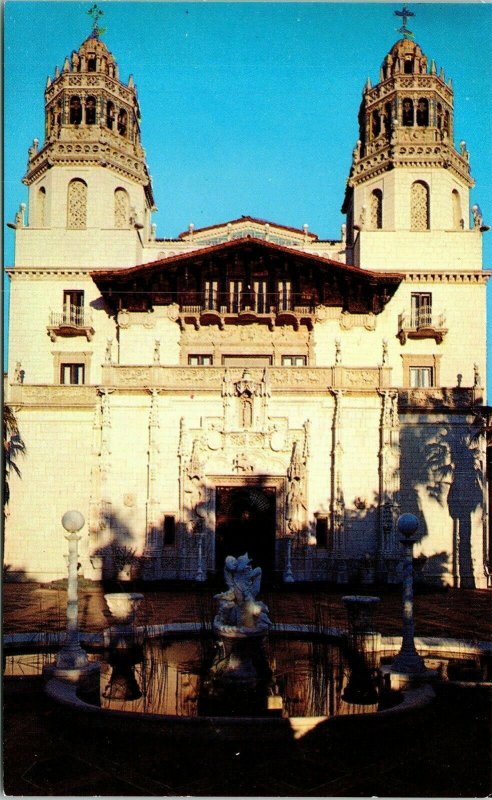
(408, 189)
(89, 180)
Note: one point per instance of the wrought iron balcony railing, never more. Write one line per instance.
(422, 324)
(72, 321)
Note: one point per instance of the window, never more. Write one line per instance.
(407, 112)
(77, 204)
(260, 296)
(421, 377)
(90, 111)
(439, 113)
(91, 64)
(294, 361)
(284, 295)
(421, 371)
(200, 361)
(322, 539)
(419, 206)
(122, 122)
(169, 530)
(72, 373)
(41, 211)
(408, 66)
(388, 119)
(235, 291)
(376, 123)
(121, 208)
(73, 306)
(376, 209)
(75, 110)
(210, 299)
(458, 221)
(110, 115)
(421, 309)
(423, 111)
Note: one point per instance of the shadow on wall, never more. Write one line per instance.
(119, 555)
(442, 464)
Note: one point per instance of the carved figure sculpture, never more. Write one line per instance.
(239, 611)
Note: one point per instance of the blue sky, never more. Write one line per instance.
(247, 108)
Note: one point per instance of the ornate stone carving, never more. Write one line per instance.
(360, 378)
(389, 475)
(337, 499)
(296, 497)
(152, 503)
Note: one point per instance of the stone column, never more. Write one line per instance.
(337, 501)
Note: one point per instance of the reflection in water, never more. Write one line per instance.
(176, 677)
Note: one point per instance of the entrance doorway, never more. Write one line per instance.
(245, 523)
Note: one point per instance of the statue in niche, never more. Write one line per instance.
(296, 506)
(247, 412)
(195, 490)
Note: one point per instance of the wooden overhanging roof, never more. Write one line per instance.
(321, 280)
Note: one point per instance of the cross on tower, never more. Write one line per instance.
(96, 13)
(405, 13)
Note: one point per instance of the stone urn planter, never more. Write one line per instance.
(123, 606)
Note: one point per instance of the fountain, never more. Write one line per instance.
(250, 677)
(240, 676)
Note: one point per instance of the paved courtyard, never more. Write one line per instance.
(441, 750)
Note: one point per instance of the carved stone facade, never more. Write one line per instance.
(248, 386)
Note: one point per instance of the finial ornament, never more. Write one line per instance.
(405, 13)
(96, 13)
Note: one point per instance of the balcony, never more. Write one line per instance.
(421, 324)
(72, 321)
(249, 306)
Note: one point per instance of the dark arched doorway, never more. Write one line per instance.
(245, 523)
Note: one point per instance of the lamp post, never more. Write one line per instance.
(71, 655)
(408, 660)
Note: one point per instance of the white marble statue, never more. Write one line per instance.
(238, 608)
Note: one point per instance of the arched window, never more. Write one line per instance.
(75, 110)
(439, 116)
(121, 208)
(376, 123)
(458, 221)
(77, 204)
(388, 118)
(122, 120)
(91, 64)
(41, 207)
(419, 207)
(446, 122)
(408, 66)
(423, 111)
(376, 209)
(407, 112)
(110, 115)
(90, 111)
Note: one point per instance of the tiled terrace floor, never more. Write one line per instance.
(463, 613)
